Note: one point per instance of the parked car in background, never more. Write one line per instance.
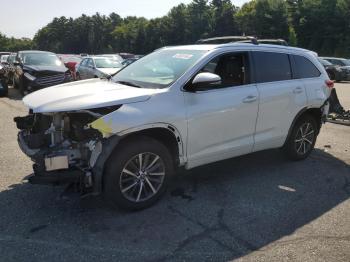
(97, 67)
(337, 61)
(38, 69)
(3, 81)
(3, 59)
(335, 72)
(70, 61)
(10, 68)
(4, 53)
(343, 63)
(128, 61)
(126, 55)
(114, 57)
(179, 106)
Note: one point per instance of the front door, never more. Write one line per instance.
(222, 117)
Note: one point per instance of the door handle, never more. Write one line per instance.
(298, 90)
(249, 99)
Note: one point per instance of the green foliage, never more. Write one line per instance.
(293, 41)
(13, 44)
(264, 18)
(319, 25)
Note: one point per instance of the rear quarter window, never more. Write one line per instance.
(304, 68)
(271, 67)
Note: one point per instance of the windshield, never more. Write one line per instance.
(324, 62)
(106, 63)
(159, 69)
(41, 59)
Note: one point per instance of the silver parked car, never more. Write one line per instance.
(97, 67)
(114, 57)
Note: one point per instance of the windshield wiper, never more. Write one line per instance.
(128, 83)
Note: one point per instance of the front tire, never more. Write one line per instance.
(137, 173)
(302, 140)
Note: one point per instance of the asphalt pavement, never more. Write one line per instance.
(259, 207)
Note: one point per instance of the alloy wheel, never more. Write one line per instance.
(142, 177)
(304, 139)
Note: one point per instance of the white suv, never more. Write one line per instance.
(178, 106)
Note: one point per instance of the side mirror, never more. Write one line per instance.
(205, 80)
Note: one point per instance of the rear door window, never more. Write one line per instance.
(271, 67)
(304, 68)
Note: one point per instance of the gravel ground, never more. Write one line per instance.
(259, 207)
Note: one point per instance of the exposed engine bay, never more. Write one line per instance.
(63, 145)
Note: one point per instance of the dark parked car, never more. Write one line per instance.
(343, 63)
(334, 72)
(38, 69)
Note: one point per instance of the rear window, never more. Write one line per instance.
(270, 67)
(304, 68)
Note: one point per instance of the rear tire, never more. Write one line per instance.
(302, 139)
(137, 173)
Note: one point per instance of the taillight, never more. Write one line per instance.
(329, 83)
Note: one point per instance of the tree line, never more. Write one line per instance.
(319, 25)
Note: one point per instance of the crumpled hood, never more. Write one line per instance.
(109, 71)
(87, 94)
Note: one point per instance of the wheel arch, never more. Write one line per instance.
(314, 112)
(165, 133)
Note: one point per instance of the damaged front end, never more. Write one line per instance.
(65, 147)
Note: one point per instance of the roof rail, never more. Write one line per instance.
(253, 40)
(223, 39)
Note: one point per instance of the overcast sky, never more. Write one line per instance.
(23, 18)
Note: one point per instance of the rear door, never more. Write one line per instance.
(312, 79)
(281, 98)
